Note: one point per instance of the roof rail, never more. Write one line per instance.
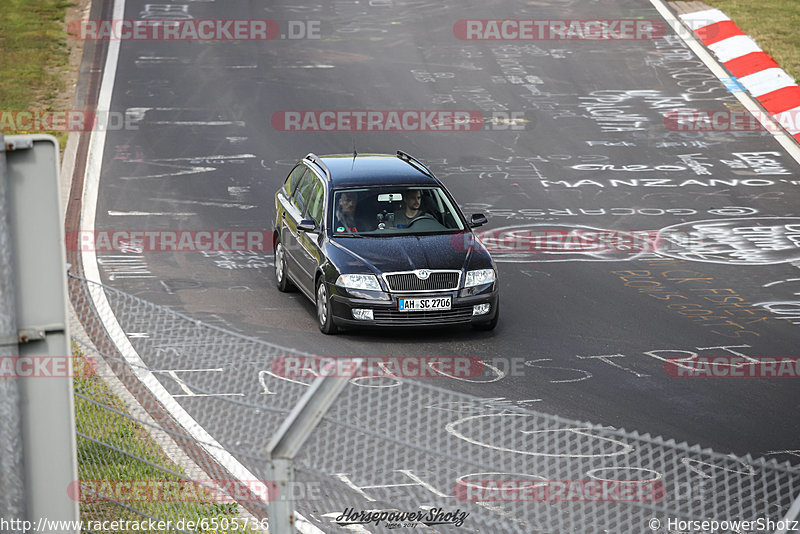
(313, 158)
(414, 162)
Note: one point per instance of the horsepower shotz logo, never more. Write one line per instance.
(434, 516)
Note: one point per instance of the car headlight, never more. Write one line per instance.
(480, 277)
(366, 282)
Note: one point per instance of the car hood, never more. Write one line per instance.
(407, 253)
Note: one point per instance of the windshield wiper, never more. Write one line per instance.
(349, 234)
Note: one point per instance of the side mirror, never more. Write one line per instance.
(477, 219)
(307, 225)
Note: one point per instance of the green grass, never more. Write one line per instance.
(33, 55)
(100, 459)
(774, 24)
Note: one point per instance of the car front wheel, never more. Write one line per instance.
(324, 318)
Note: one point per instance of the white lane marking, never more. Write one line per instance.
(303, 66)
(207, 158)
(198, 123)
(238, 192)
(765, 81)
(113, 213)
(185, 170)
(93, 167)
(208, 203)
(782, 282)
(700, 19)
(788, 143)
(733, 47)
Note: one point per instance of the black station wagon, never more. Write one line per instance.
(377, 240)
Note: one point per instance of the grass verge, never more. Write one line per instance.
(114, 448)
(33, 59)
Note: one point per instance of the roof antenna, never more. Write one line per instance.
(354, 154)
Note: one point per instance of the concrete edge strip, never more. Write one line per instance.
(103, 307)
(762, 77)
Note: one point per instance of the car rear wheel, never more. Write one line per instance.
(283, 283)
(324, 318)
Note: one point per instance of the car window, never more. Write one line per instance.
(293, 179)
(303, 190)
(404, 210)
(315, 204)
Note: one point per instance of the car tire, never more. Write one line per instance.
(281, 277)
(489, 325)
(323, 304)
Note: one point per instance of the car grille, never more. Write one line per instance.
(437, 281)
(426, 318)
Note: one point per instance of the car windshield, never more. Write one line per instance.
(393, 210)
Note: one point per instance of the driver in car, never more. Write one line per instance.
(412, 199)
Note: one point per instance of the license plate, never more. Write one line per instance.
(433, 303)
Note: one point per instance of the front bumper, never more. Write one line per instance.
(386, 312)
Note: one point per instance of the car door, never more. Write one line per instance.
(291, 215)
(310, 254)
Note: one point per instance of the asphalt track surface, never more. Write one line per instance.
(205, 156)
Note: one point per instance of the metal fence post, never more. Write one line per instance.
(791, 516)
(288, 440)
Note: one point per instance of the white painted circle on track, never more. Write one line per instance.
(580, 433)
(592, 473)
(741, 241)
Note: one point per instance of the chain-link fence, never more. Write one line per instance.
(205, 402)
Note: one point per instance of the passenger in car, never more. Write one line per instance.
(346, 213)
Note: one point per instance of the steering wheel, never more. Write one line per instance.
(420, 218)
